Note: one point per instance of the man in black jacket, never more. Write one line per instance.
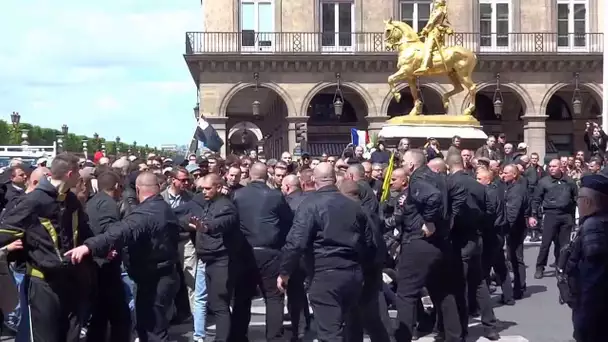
(265, 219)
(516, 213)
(110, 306)
(151, 232)
(367, 196)
(338, 231)
(217, 246)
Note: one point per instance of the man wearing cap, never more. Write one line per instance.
(589, 260)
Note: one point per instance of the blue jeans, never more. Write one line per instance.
(15, 316)
(129, 290)
(200, 300)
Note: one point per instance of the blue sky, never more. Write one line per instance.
(114, 67)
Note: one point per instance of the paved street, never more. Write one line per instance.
(537, 318)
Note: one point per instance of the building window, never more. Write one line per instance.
(415, 13)
(572, 23)
(257, 25)
(337, 25)
(494, 23)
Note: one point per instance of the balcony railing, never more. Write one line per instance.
(373, 43)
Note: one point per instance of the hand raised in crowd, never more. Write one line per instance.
(282, 281)
(77, 254)
(532, 222)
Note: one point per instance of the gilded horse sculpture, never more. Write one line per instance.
(415, 58)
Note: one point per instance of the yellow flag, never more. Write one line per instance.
(386, 185)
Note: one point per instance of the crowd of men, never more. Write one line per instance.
(124, 249)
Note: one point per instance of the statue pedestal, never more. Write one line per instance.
(441, 127)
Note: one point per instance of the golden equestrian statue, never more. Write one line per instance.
(431, 57)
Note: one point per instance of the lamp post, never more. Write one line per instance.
(15, 119)
(64, 130)
(498, 99)
(338, 98)
(117, 147)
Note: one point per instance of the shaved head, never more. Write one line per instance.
(324, 175)
(438, 165)
(258, 171)
(212, 179)
(356, 172)
(35, 177)
(147, 184)
(484, 176)
(291, 180)
(399, 172)
(412, 160)
(350, 189)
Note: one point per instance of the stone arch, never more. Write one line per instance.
(434, 86)
(354, 86)
(246, 126)
(518, 90)
(223, 106)
(594, 89)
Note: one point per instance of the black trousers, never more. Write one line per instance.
(154, 295)
(219, 273)
(372, 311)
(515, 254)
(297, 303)
(110, 307)
(54, 307)
(493, 257)
(334, 295)
(181, 301)
(421, 264)
(556, 229)
(473, 281)
(258, 267)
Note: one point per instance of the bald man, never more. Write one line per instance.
(517, 209)
(438, 165)
(367, 196)
(425, 252)
(325, 225)
(290, 187)
(265, 219)
(217, 246)
(151, 231)
(554, 196)
(493, 254)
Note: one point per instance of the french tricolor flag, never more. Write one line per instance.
(359, 138)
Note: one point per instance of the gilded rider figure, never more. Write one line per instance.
(434, 33)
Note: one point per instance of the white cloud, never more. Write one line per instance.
(111, 67)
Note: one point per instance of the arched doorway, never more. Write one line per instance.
(513, 109)
(328, 133)
(565, 127)
(431, 100)
(266, 132)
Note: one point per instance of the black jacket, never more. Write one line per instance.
(151, 232)
(265, 217)
(49, 225)
(295, 198)
(516, 207)
(496, 195)
(368, 197)
(102, 211)
(468, 224)
(224, 237)
(554, 195)
(11, 195)
(335, 226)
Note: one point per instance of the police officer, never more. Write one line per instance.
(151, 232)
(217, 245)
(556, 195)
(110, 305)
(338, 231)
(50, 221)
(516, 212)
(590, 307)
(466, 241)
(425, 251)
(265, 219)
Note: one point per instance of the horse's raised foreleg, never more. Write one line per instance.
(414, 91)
(467, 82)
(445, 98)
(392, 83)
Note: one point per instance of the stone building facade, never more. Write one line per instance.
(296, 57)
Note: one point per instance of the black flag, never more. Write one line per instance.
(206, 134)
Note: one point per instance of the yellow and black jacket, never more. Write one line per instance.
(49, 224)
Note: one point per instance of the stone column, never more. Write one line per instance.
(535, 135)
(219, 123)
(291, 130)
(375, 123)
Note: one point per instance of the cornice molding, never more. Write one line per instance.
(382, 63)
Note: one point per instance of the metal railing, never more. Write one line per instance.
(250, 42)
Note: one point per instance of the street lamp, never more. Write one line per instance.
(196, 112)
(95, 136)
(577, 104)
(117, 146)
(255, 108)
(338, 96)
(15, 119)
(498, 99)
(64, 129)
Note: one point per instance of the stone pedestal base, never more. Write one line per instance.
(441, 127)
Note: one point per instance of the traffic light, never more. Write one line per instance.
(301, 132)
